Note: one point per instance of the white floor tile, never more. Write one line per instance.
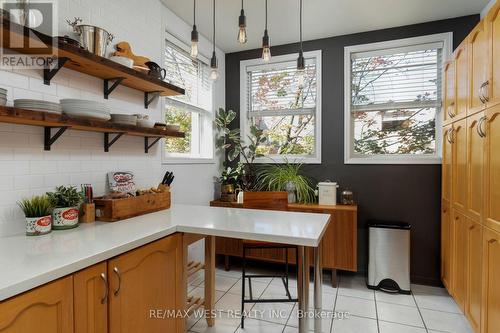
(401, 314)
(356, 306)
(224, 283)
(234, 273)
(354, 324)
(325, 325)
(400, 299)
(446, 322)
(223, 324)
(231, 302)
(278, 291)
(355, 286)
(386, 327)
(273, 312)
(260, 326)
(438, 302)
(257, 289)
(200, 292)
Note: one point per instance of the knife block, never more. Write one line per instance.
(87, 214)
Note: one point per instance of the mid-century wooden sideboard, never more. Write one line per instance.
(339, 244)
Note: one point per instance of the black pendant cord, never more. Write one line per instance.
(194, 12)
(300, 10)
(214, 29)
(241, 4)
(266, 15)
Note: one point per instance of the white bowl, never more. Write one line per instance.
(123, 61)
(145, 123)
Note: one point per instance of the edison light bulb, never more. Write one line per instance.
(214, 74)
(242, 35)
(266, 54)
(194, 49)
(301, 77)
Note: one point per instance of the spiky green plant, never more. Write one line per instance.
(64, 197)
(274, 177)
(37, 206)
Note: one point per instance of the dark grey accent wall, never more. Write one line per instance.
(408, 193)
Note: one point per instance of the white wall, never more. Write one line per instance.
(78, 157)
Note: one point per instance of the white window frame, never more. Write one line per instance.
(244, 124)
(177, 158)
(349, 156)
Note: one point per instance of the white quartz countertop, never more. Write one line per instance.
(28, 262)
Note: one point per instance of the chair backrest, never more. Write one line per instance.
(265, 200)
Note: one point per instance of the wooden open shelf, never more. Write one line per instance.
(49, 120)
(82, 61)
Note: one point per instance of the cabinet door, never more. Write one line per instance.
(447, 163)
(459, 164)
(46, 309)
(446, 246)
(144, 284)
(478, 49)
(459, 226)
(475, 165)
(91, 299)
(493, 27)
(492, 168)
(449, 90)
(491, 287)
(474, 274)
(462, 79)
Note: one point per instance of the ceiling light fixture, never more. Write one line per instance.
(301, 62)
(242, 21)
(266, 48)
(194, 34)
(214, 73)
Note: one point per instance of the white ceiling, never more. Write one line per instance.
(322, 18)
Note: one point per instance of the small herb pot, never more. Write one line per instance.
(65, 218)
(36, 226)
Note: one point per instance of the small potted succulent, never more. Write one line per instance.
(66, 202)
(37, 211)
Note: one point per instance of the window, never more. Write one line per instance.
(286, 104)
(393, 100)
(192, 111)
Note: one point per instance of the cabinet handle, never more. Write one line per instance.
(481, 127)
(492, 241)
(478, 128)
(452, 115)
(106, 290)
(117, 273)
(450, 135)
(486, 93)
(481, 92)
(472, 227)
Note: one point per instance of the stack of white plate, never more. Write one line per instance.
(124, 119)
(3, 96)
(79, 108)
(38, 105)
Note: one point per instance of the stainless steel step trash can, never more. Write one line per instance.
(389, 256)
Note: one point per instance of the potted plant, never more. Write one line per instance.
(66, 202)
(37, 212)
(231, 144)
(286, 177)
(231, 179)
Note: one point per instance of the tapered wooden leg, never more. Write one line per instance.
(335, 278)
(210, 279)
(227, 263)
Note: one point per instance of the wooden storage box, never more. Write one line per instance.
(111, 210)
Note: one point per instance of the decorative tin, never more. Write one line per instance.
(65, 218)
(38, 225)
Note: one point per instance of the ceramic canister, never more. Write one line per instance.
(65, 218)
(38, 225)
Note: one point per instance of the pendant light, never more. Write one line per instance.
(242, 21)
(214, 73)
(301, 62)
(266, 48)
(194, 34)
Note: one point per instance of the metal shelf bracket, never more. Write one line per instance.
(109, 89)
(108, 143)
(49, 139)
(49, 73)
(147, 145)
(149, 97)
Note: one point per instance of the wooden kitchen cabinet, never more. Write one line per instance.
(475, 166)
(46, 309)
(458, 137)
(479, 64)
(474, 273)
(461, 80)
(449, 90)
(446, 246)
(491, 127)
(491, 285)
(447, 163)
(91, 299)
(459, 257)
(143, 281)
(492, 22)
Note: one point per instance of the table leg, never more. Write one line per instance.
(335, 278)
(318, 289)
(227, 263)
(303, 280)
(210, 279)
